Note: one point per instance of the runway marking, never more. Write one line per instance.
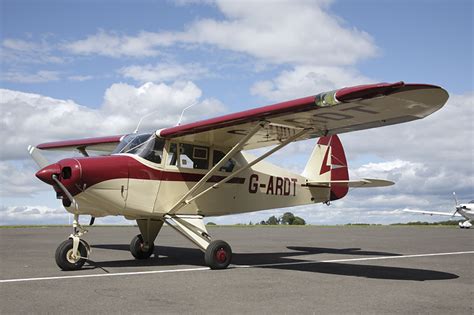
(118, 274)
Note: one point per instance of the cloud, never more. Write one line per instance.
(19, 51)
(32, 118)
(37, 214)
(306, 80)
(285, 32)
(41, 76)
(164, 72)
(443, 143)
(112, 44)
(11, 215)
(80, 78)
(18, 180)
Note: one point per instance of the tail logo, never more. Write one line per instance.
(325, 167)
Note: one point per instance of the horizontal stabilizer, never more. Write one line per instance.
(433, 213)
(358, 183)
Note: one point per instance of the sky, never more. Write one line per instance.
(73, 69)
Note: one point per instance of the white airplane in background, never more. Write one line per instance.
(180, 175)
(464, 210)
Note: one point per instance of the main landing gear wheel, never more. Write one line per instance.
(138, 249)
(218, 255)
(65, 258)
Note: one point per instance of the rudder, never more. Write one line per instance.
(328, 163)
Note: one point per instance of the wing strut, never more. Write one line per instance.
(185, 201)
(182, 202)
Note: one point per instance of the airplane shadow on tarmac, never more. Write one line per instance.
(175, 256)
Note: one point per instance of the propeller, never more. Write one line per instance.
(65, 191)
(42, 163)
(456, 205)
(37, 156)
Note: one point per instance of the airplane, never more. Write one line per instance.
(464, 210)
(181, 174)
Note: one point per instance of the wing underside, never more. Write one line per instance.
(433, 213)
(334, 112)
(101, 144)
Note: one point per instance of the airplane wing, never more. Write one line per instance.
(344, 110)
(360, 183)
(433, 213)
(102, 144)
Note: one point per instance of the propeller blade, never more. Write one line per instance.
(455, 205)
(37, 156)
(456, 211)
(455, 199)
(66, 192)
(92, 221)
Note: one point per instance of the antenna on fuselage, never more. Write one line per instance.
(141, 119)
(182, 113)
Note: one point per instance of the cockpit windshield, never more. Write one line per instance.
(131, 142)
(148, 146)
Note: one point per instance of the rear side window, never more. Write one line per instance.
(228, 166)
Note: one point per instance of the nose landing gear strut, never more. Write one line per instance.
(73, 252)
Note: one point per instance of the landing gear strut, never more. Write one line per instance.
(73, 252)
(142, 246)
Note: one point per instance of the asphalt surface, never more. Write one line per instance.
(337, 270)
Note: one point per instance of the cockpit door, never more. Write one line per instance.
(143, 186)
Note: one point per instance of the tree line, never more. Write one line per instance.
(287, 218)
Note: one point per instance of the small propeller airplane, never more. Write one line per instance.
(180, 175)
(464, 210)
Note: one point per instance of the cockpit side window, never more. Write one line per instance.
(172, 154)
(153, 150)
(192, 156)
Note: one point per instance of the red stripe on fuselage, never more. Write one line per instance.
(100, 169)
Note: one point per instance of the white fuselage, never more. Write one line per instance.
(263, 186)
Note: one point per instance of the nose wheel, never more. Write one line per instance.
(218, 255)
(73, 252)
(67, 259)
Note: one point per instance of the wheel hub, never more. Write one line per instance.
(221, 255)
(71, 257)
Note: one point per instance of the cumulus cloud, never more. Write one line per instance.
(32, 118)
(294, 32)
(18, 180)
(10, 215)
(163, 72)
(37, 214)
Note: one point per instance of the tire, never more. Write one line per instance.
(136, 248)
(218, 255)
(64, 259)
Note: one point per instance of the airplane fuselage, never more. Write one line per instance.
(134, 187)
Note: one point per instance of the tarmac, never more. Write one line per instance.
(296, 270)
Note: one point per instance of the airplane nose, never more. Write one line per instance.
(45, 174)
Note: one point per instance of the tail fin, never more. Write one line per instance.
(328, 163)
